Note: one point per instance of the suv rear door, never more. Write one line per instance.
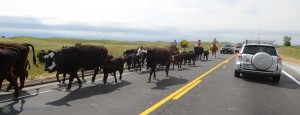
(249, 51)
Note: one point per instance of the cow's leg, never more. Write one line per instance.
(121, 72)
(71, 78)
(151, 72)
(140, 65)
(105, 78)
(79, 81)
(194, 61)
(173, 64)
(13, 80)
(154, 77)
(180, 64)
(57, 77)
(64, 78)
(82, 73)
(167, 69)
(115, 77)
(95, 73)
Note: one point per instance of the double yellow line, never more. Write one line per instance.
(183, 90)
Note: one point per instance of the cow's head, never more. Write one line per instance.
(50, 65)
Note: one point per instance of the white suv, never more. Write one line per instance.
(258, 57)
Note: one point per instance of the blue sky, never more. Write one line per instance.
(153, 20)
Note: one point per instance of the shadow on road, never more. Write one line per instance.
(171, 81)
(12, 108)
(284, 82)
(90, 91)
(16, 107)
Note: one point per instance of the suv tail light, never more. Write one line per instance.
(279, 59)
(239, 56)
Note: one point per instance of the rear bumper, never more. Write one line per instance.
(239, 69)
(259, 72)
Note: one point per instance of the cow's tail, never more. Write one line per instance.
(33, 53)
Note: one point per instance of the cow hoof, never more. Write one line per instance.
(68, 90)
(80, 86)
(149, 82)
(6, 90)
(15, 98)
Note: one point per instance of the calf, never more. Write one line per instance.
(206, 54)
(178, 59)
(111, 66)
(129, 60)
(137, 62)
(190, 56)
(8, 62)
(129, 52)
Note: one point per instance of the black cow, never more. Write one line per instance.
(198, 51)
(111, 66)
(8, 63)
(129, 60)
(190, 56)
(129, 52)
(72, 59)
(206, 54)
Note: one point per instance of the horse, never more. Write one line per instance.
(214, 49)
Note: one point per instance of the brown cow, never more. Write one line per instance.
(22, 61)
(158, 55)
(8, 60)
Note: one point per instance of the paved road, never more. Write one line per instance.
(215, 91)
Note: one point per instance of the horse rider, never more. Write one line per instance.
(175, 44)
(199, 43)
(214, 43)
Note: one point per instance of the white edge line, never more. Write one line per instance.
(60, 88)
(291, 77)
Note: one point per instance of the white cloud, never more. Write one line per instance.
(187, 16)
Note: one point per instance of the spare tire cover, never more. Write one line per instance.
(262, 61)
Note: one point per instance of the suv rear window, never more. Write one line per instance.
(227, 45)
(253, 49)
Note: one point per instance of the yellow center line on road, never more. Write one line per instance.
(186, 90)
(166, 99)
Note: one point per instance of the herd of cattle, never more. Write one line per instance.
(14, 63)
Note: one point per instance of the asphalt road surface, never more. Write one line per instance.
(208, 88)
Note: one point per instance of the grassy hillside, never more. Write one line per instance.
(114, 47)
(290, 54)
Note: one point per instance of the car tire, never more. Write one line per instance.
(276, 78)
(237, 74)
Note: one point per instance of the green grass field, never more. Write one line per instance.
(290, 54)
(114, 47)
